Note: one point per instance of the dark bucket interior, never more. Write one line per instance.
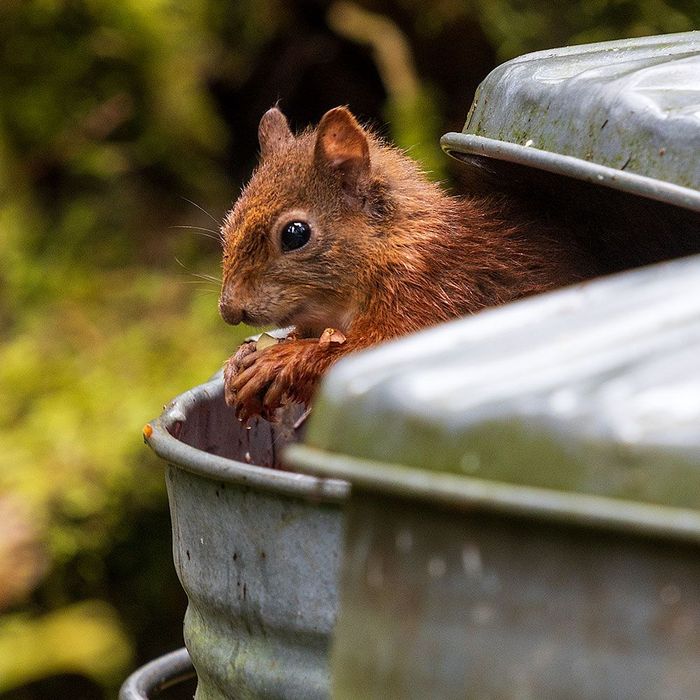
(619, 230)
(211, 426)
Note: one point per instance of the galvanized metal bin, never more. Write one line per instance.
(601, 141)
(256, 549)
(525, 511)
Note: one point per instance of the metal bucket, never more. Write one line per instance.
(524, 520)
(599, 140)
(256, 549)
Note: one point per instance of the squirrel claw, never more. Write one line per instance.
(233, 367)
(248, 410)
(273, 399)
(258, 391)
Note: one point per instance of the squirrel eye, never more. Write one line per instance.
(295, 235)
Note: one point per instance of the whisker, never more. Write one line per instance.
(202, 276)
(206, 293)
(205, 278)
(202, 282)
(194, 204)
(201, 231)
(198, 228)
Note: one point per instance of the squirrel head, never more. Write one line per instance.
(298, 239)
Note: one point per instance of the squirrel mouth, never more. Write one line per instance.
(250, 319)
(256, 320)
(236, 316)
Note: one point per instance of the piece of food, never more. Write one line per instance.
(331, 335)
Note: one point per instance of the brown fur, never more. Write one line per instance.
(390, 253)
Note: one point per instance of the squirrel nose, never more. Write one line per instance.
(231, 313)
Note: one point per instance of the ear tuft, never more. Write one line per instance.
(341, 143)
(273, 131)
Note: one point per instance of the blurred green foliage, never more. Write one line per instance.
(114, 119)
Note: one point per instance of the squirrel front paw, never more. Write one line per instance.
(258, 382)
(234, 366)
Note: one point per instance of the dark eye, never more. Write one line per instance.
(295, 235)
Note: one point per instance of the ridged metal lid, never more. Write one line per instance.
(623, 114)
(593, 390)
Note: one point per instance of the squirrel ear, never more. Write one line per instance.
(341, 143)
(273, 131)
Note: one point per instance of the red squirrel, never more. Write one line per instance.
(339, 230)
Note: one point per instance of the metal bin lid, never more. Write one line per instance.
(622, 114)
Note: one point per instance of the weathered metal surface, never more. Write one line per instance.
(449, 604)
(151, 680)
(256, 549)
(525, 510)
(623, 114)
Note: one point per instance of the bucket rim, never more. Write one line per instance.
(466, 493)
(158, 675)
(478, 150)
(157, 435)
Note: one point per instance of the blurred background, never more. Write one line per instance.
(126, 131)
